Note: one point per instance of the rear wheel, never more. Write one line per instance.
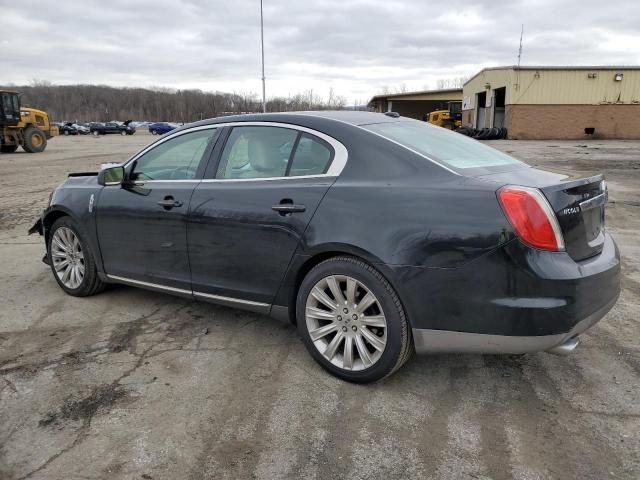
(35, 140)
(71, 260)
(8, 148)
(153, 132)
(123, 132)
(352, 321)
(96, 133)
(66, 132)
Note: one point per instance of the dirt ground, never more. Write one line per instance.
(133, 384)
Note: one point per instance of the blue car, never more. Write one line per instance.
(159, 128)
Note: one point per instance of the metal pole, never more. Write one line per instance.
(264, 97)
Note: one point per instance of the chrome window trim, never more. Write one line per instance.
(169, 137)
(340, 153)
(142, 182)
(265, 179)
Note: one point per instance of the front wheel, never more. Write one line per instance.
(35, 140)
(123, 132)
(351, 320)
(71, 260)
(153, 132)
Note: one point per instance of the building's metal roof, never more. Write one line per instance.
(557, 67)
(418, 92)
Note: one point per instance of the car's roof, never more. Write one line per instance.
(344, 116)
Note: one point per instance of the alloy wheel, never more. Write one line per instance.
(346, 322)
(67, 257)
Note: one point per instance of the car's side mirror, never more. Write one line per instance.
(111, 176)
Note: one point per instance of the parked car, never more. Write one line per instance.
(68, 129)
(82, 130)
(112, 127)
(374, 234)
(160, 128)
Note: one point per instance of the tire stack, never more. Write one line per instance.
(495, 133)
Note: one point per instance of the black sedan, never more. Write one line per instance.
(374, 234)
(112, 128)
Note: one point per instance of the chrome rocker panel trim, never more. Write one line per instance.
(217, 299)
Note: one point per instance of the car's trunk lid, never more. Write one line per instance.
(578, 203)
(579, 206)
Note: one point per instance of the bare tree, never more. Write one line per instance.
(104, 103)
(456, 82)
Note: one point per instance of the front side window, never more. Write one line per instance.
(6, 103)
(175, 159)
(257, 152)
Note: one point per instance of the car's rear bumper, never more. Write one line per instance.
(443, 341)
(513, 300)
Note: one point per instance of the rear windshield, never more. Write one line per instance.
(452, 149)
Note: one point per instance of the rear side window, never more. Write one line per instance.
(272, 152)
(451, 149)
(312, 157)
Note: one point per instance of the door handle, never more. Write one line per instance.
(168, 203)
(287, 208)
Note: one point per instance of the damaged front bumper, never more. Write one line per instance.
(39, 228)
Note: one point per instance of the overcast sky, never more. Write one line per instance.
(356, 47)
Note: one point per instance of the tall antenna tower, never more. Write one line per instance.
(517, 85)
(520, 49)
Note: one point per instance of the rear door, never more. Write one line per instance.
(142, 226)
(249, 214)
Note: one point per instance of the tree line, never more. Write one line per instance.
(103, 103)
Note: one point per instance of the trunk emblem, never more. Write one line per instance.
(570, 210)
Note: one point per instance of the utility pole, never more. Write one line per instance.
(264, 96)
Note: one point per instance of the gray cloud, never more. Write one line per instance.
(356, 47)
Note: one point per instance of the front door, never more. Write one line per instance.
(142, 225)
(246, 221)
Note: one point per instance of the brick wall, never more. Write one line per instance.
(569, 121)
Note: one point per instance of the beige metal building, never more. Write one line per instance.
(555, 102)
(415, 104)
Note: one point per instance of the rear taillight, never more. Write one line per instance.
(531, 216)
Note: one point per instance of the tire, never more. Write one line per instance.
(153, 132)
(66, 132)
(95, 133)
(35, 140)
(483, 134)
(8, 148)
(83, 259)
(503, 133)
(394, 340)
(123, 132)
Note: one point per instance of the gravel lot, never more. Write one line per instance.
(134, 384)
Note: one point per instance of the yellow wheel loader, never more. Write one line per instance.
(451, 118)
(22, 126)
